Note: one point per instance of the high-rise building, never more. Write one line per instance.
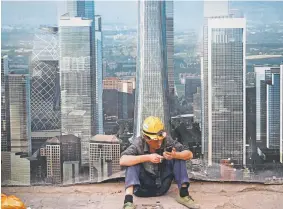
(118, 97)
(45, 81)
(152, 73)
(251, 122)
(261, 105)
(211, 9)
(99, 73)
(77, 80)
(281, 115)
(273, 113)
(250, 79)
(224, 90)
(191, 85)
(81, 8)
(20, 120)
(5, 106)
(52, 152)
(86, 10)
(170, 44)
(104, 157)
(197, 106)
(268, 107)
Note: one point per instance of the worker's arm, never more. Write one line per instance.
(130, 157)
(130, 160)
(178, 151)
(184, 155)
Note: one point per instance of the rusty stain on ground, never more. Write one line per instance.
(111, 196)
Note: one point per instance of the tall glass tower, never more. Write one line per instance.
(273, 108)
(170, 44)
(45, 86)
(5, 106)
(224, 97)
(81, 8)
(86, 10)
(152, 70)
(211, 9)
(19, 99)
(281, 115)
(99, 73)
(76, 73)
(268, 110)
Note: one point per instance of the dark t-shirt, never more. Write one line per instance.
(140, 147)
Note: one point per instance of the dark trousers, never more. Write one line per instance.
(145, 184)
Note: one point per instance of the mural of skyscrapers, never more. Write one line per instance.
(58, 103)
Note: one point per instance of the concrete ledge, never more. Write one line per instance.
(111, 196)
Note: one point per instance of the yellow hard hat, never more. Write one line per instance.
(153, 128)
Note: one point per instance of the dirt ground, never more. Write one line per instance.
(111, 196)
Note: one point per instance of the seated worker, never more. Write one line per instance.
(153, 161)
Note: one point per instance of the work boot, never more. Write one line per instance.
(129, 205)
(188, 202)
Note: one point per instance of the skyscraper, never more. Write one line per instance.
(211, 9)
(19, 99)
(260, 105)
(224, 105)
(81, 8)
(197, 106)
(273, 108)
(45, 81)
(86, 10)
(152, 75)
(191, 85)
(268, 107)
(170, 44)
(281, 115)
(52, 152)
(99, 73)
(5, 106)
(77, 73)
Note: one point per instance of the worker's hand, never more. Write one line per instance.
(170, 155)
(155, 158)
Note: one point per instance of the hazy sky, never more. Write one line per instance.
(188, 14)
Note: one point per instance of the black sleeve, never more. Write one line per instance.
(131, 150)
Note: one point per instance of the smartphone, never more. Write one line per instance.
(169, 149)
